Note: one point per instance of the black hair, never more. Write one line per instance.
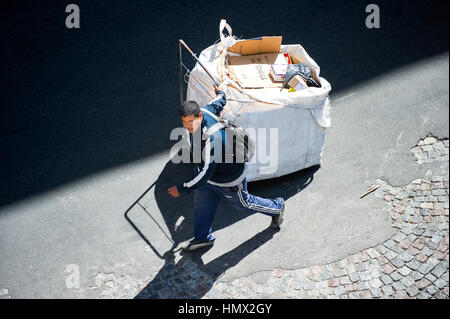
(189, 108)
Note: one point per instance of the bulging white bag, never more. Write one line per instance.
(288, 127)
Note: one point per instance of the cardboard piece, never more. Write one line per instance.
(257, 46)
(297, 83)
(278, 70)
(252, 71)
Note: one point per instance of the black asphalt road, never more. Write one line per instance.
(57, 122)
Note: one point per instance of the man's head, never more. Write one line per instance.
(191, 115)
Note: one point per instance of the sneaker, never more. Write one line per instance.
(195, 244)
(277, 220)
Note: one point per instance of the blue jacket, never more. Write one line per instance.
(221, 174)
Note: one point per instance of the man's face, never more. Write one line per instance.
(191, 122)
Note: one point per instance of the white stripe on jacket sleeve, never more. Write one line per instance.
(202, 173)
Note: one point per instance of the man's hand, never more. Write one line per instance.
(221, 87)
(173, 191)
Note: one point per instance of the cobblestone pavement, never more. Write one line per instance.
(431, 149)
(411, 264)
(414, 263)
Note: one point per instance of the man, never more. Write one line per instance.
(215, 180)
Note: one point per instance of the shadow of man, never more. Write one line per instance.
(189, 277)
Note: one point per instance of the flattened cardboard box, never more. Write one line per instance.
(252, 71)
(257, 46)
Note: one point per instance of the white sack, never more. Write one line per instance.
(295, 121)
